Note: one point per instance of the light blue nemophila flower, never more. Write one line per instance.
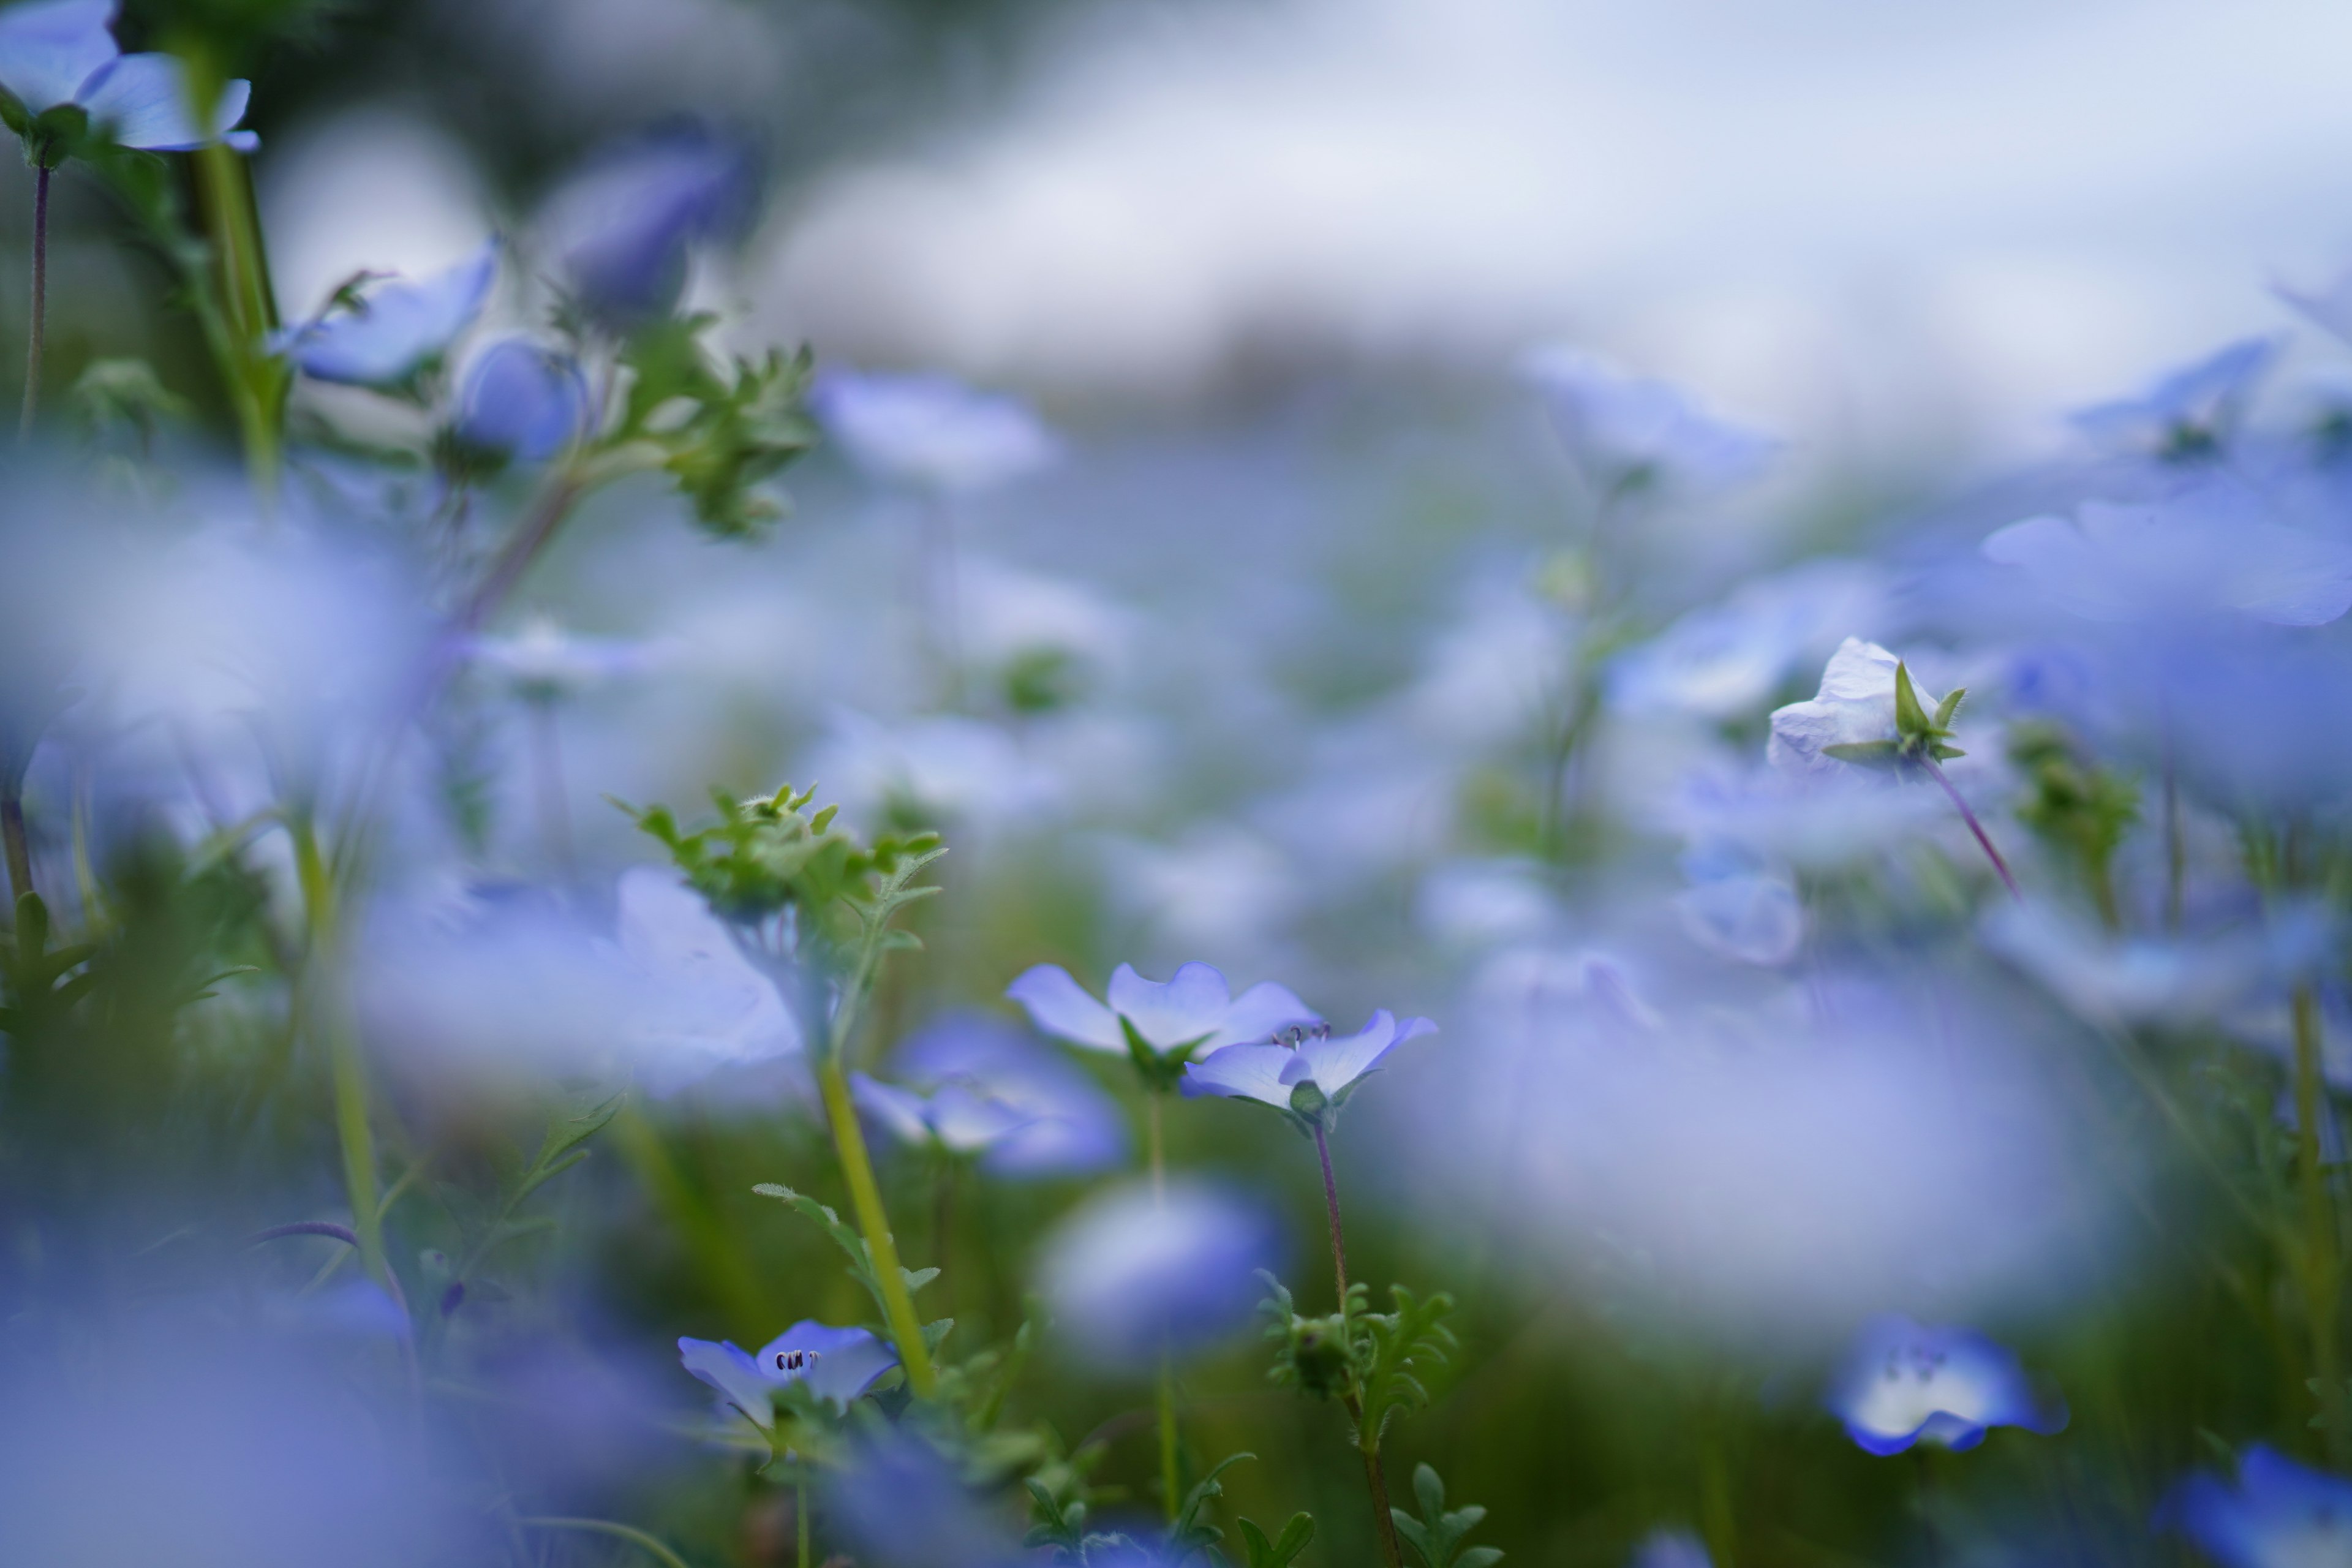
(1905, 1383)
(971, 1085)
(837, 1365)
(1162, 1026)
(1305, 1071)
(2189, 414)
(622, 229)
(386, 335)
(63, 73)
(932, 431)
(1629, 434)
(521, 402)
(2211, 548)
(1132, 1272)
(2279, 1515)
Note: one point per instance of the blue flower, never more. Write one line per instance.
(1274, 1074)
(522, 401)
(2211, 549)
(61, 53)
(837, 1365)
(2190, 411)
(1064, 1124)
(1191, 1011)
(932, 431)
(1855, 706)
(621, 230)
(1723, 661)
(1737, 910)
(392, 332)
(1131, 1272)
(1905, 1383)
(1672, 1549)
(1627, 433)
(953, 1116)
(2279, 1515)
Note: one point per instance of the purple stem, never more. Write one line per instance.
(1331, 1204)
(1976, 827)
(40, 298)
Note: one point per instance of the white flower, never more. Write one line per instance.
(1855, 706)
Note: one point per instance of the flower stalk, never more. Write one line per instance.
(2322, 1268)
(1368, 1436)
(874, 1224)
(35, 323)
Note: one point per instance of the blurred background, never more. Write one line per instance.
(1262, 655)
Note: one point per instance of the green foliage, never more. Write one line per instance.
(123, 401)
(1437, 1535)
(719, 431)
(1379, 1359)
(765, 856)
(1396, 1349)
(2079, 809)
(37, 982)
(1280, 1552)
(1188, 1533)
(496, 1225)
(861, 1259)
(1919, 741)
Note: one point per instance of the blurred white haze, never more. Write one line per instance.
(1894, 225)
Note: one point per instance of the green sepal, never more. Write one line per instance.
(1866, 753)
(1950, 706)
(1910, 718)
(1279, 1551)
(1161, 1070)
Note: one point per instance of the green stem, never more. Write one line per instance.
(801, 1515)
(873, 1223)
(35, 329)
(1170, 1475)
(720, 1262)
(257, 379)
(649, 1545)
(2322, 1269)
(349, 1072)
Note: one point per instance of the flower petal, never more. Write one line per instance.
(1334, 1064)
(50, 48)
(902, 1111)
(1061, 1007)
(723, 1366)
(399, 327)
(141, 100)
(1243, 1072)
(1262, 1012)
(1191, 1004)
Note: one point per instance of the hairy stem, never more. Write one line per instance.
(873, 1223)
(36, 327)
(1170, 1476)
(325, 1009)
(1368, 1436)
(257, 379)
(1976, 827)
(2322, 1269)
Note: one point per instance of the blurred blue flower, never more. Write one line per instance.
(2279, 1515)
(1131, 1272)
(1627, 433)
(543, 662)
(1740, 911)
(837, 1365)
(58, 52)
(2210, 549)
(951, 1116)
(2176, 980)
(1191, 1010)
(902, 1505)
(1067, 1126)
(522, 401)
(393, 331)
(2188, 413)
(932, 431)
(1672, 1549)
(1723, 661)
(1272, 1074)
(1905, 1383)
(621, 230)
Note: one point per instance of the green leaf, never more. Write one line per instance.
(1279, 1551)
(1910, 718)
(1186, 1534)
(1436, 1535)
(1950, 706)
(852, 1245)
(1395, 1349)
